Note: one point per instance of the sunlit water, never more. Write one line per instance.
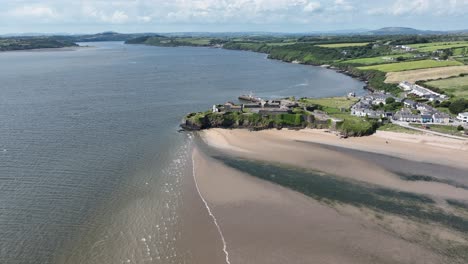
(90, 161)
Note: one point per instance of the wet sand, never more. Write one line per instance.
(201, 241)
(291, 147)
(265, 223)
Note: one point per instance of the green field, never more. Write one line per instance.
(344, 45)
(398, 129)
(460, 51)
(428, 47)
(281, 43)
(411, 65)
(332, 102)
(195, 41)
(457, 86)
(451, 130)
(378, 60)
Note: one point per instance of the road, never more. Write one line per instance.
(406, 125)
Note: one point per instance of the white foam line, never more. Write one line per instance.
(211, 214)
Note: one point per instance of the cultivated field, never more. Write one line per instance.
(195, 41)
(378, 60)
(425, 74)
(343, 45)
(411, 65)
(457, 86)
(428, 47)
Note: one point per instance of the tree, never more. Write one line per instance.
(460, 128)
(458, 106)
(390, 100)
(445, 103)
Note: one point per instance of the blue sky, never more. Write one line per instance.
(89, 16)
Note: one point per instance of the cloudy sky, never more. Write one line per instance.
(89, 16)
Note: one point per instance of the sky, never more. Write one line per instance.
(92, 16)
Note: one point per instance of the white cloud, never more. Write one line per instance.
(112, 17)
(423, 7)
(145, 19)
(33, 11)
(150, 14)
(312, 7)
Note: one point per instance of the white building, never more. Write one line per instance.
(418, 90)
(406, 86)
(441, 118)
(463, 117)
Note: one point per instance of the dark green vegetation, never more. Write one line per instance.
(255, 121)
(26, 43)
(331, 189)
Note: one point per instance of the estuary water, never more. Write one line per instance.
(90, 158)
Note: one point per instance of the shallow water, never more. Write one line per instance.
(90, 161)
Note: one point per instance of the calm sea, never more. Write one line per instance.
(90, 160)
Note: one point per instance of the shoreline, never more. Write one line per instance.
(71, 48)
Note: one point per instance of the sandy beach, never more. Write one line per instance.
(263, 222)
(291, 147)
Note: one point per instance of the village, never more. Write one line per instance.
(411, 109)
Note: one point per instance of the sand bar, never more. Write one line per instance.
(266, 223)
(290, 147)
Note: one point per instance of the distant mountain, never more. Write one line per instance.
(404, 31)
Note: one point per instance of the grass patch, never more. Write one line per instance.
(456, 86)
(451, 130)
(396, 128)
(344, 45)
(331, 102)
(378, 60)
(411, 65)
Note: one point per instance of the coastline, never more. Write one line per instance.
(71, 48)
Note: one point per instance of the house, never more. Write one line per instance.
(441, 118)
(406, 86)
(405, 48)
(463, 117)
(426, 119)
(406, 115)
(410, 103)
(425, 108)
(362, 112)
(231, 107)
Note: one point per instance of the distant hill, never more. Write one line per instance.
(28, 43)
(108, 36)
(404, 31)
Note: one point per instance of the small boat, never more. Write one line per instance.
(250, 97)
